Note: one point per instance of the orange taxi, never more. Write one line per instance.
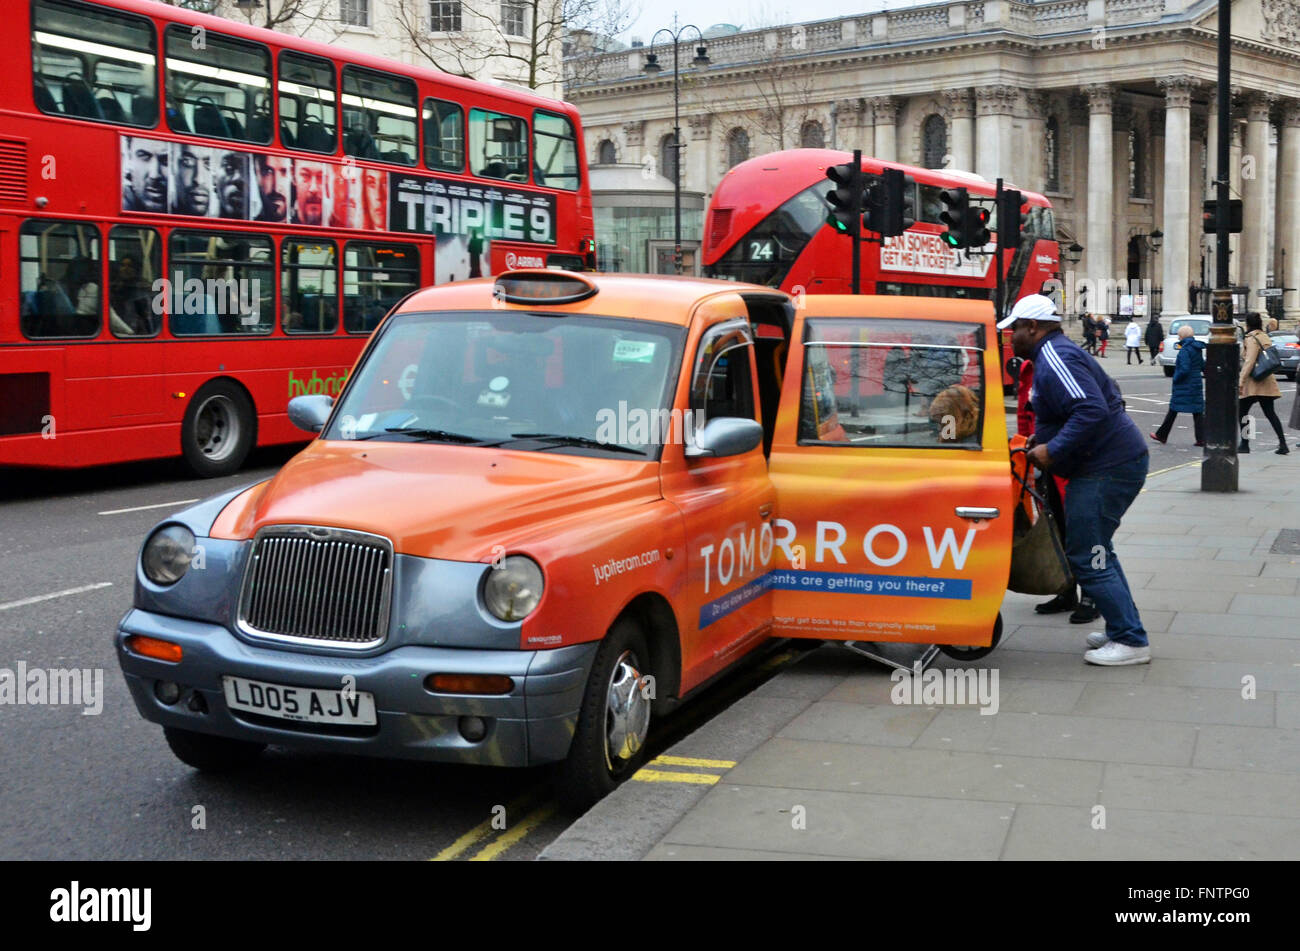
(548, 507)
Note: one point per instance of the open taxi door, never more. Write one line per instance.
(891, 469)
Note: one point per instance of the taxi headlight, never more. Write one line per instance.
(167, 553)
(513, 590)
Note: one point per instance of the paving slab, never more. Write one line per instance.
(858, 723)
(1151, 702)
(1278, 678)
(1021, 695)
(1213, 792)
(1249, 748)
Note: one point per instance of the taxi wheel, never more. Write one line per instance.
(959, 652)
(218, 430)
(609, 742)
(1169, 371)
(211, 754)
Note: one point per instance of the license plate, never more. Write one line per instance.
(301, 704)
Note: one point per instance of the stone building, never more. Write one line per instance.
(1105, 106)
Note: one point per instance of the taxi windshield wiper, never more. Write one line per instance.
(433, 435)
(560, 439)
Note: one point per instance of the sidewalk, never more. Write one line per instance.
(1185, 766)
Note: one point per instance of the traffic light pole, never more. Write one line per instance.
(855, 231)
(1220, 467)
(1000, 289)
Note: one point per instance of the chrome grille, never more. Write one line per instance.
(312, 585)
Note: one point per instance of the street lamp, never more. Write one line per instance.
(1155, 240)
(1073, 254)
(653, 68)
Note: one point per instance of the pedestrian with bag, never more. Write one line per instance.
(1103, 334)
(1187, 394)
(1082, 432)
(1132, 343)
(1089, 334)
(1155, 337)
(1257, 383)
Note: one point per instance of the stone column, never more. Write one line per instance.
(1288, 198)
(885, 112)
(1101, 203)
(1030, 161)
(1254, 194)
(1195, 238)
(1177, 194)
(852, 130)
(695, 157)
(961, 145)
(994, 105)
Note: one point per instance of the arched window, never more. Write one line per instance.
(737, 147)
(811, 135)
(668, 157)
(934, 141)
(1136, 171)
(1052, 154)
(605, 154)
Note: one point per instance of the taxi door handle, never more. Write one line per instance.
(977, 513)
(765, 511)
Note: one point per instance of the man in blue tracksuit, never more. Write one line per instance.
(1082, 433)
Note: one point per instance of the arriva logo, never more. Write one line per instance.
(316, 384)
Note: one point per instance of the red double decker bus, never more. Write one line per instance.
(200, 220)
(767, 225)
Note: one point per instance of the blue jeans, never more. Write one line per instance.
(1094, 504)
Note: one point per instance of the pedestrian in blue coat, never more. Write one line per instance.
(1188, 393)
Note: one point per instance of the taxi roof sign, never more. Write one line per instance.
(541, 286)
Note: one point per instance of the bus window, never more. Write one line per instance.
(379, 116)
(307, 105)
(308, 286)
(134, 263)
(222, 283)
(498, 146)
(931, 206)
(375, 277)
(222, 89)
(555, 151)
(59, 289)
(444, 136)
(94, 64)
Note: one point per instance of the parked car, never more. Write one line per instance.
(1288, 348)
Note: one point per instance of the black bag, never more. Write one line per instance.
(1266, 363)
(1038, 562)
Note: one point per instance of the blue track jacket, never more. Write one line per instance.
(1078, 413)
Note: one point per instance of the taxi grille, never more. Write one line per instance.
(313, 585)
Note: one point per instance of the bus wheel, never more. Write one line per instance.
(211, 754)
(609, 743)
(218, 430)
(959, 652)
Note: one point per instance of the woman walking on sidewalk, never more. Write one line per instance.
(1188, 395)
(1132, 343)
(1265, 392)
(1103, 333)
(1155, 337)
(1089, 334)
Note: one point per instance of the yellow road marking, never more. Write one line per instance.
(694, 761)
(479, 832)
(778, 660)
(512, 837)
(1182, 465)
(664, 776)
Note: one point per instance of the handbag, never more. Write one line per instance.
(1266, 363)
(1038, 562)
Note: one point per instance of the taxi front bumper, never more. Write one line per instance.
(531, 725)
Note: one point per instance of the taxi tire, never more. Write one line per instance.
(211, 754)
(583, 778)
(1169, 371)
(959, 652)
(229, 401)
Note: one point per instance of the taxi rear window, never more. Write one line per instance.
(878, 382)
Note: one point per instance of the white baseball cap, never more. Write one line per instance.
(1034, 307)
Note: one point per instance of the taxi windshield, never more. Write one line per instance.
(519, 380)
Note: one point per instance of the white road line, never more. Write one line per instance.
(141, 508)
(56, 594)
(1143, 399)
(1148, 412)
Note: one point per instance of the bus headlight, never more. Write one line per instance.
(167, 553)
(513, 590)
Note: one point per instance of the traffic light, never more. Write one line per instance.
(975, 229)
(1210, 220)
(955, 203)
(846, 198)
(891, 207)
(1012, 221)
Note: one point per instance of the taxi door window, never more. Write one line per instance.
(892, 383)
(722, 384)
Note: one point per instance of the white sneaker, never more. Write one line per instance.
(1097, 639)
(1115, 654)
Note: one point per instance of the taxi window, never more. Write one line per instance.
(878, 383)
(721, 384)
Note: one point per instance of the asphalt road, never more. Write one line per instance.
(105, 786)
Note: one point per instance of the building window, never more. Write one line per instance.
(354, 12)
(934, 142)
(1135, 169)
(512, 18)
(811, 135)
(1052, 154)
(737, 147)
(444, 16)
(668, 157)
(605, 154)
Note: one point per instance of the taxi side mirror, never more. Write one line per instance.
(724, 436)
(310, 412)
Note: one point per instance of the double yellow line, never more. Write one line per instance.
(648, 774)
(509, 837)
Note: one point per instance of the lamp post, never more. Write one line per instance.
(652, 68)
(1071, 255)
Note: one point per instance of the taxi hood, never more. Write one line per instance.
(437, 500)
